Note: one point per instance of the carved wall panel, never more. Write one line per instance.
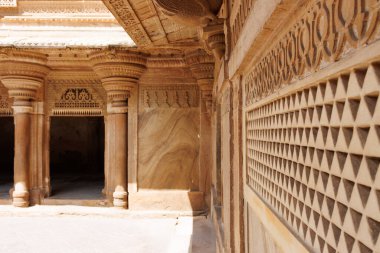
(169, 124)
(76, 98)
(5, 103)
(313, 156)
(328, 30)
(169, 96)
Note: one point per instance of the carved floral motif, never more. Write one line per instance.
(328, 28)
(76, 97)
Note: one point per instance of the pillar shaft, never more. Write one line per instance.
(120, 121)
(22, 159)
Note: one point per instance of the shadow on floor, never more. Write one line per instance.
(77, 187)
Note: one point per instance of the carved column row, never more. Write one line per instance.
(23, 74)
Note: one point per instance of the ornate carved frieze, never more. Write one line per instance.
(327, 30)
(166, 62)
(76, 98)
(169, 96)
(63, 7)
(8, 3)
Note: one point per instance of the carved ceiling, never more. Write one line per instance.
(149, 26)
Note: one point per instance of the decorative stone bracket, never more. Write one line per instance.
(202, 14)
(213, 36)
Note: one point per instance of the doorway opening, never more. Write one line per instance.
(7, 148)
(77, 158)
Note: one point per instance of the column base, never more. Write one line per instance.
(120, 199)
(20, 198)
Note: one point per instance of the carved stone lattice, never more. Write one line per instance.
(76, 98)
(327, 30)
(313, 156)
(169, 97)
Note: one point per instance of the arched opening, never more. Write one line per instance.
(77, 157)
(7, 155)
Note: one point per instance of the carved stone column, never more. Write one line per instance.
(202, 68)
(22, 73)
(119, 71)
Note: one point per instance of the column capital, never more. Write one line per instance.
(202, 67)
(120, 71)
(22, 73)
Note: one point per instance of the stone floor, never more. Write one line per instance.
(72, 229)
(5, 186)
(77, 187)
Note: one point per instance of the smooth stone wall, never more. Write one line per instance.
(168, 149)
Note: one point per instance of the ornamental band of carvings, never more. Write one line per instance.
(328, 28)
(8, 3)
(169, 97)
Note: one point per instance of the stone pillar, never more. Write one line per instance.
(202, 68)
(22, 119)
(22, 73)
(119, 71)
(117, 139)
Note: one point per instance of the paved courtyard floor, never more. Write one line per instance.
(69, 229)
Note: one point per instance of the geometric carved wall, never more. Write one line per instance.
(313, 156)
